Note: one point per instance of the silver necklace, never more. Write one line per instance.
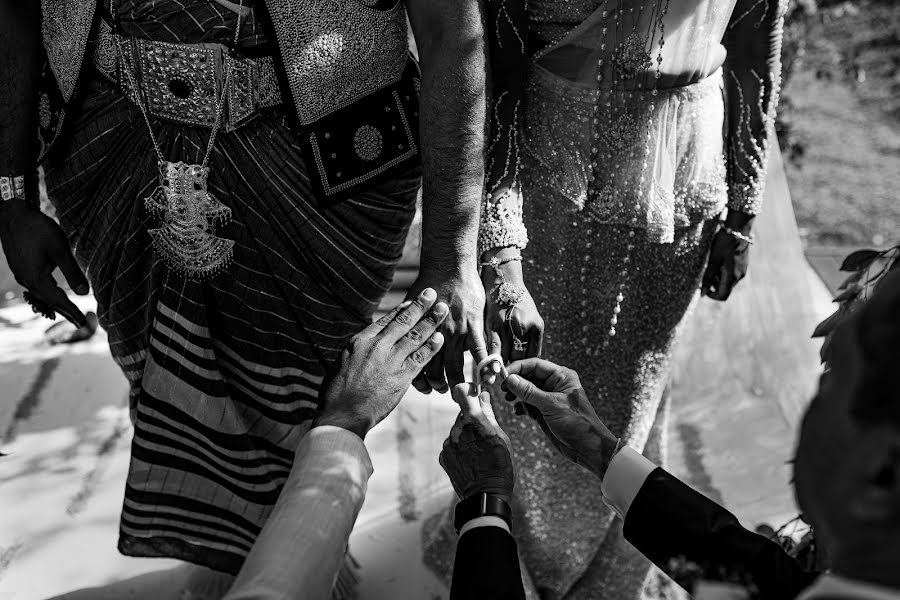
(186, 241)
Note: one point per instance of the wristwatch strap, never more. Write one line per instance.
(482, 504)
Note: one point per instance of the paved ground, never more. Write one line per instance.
(65, 429)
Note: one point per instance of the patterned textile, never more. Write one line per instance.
(224, 374)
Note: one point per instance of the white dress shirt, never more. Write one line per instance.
(301, 548)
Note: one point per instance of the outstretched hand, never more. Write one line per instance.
(553, 396)
(35, 245)
(379, 364)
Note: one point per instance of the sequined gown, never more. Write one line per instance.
(631, 130)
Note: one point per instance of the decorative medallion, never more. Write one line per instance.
(600, 207)
(367, 142)
(621, 133)
(187, 240)
(631, 57)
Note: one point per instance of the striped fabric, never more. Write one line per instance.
(224, 374)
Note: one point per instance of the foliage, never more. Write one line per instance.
(866, 268)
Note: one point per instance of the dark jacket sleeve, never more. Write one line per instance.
(487, 566)
(671, 524)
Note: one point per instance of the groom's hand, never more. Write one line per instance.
(553, 396)
(463, 329)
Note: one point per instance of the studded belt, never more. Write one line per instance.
(183, 82)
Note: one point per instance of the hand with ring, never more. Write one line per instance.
(513, 326)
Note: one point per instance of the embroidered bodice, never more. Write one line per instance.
(607, 108)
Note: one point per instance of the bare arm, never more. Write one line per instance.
(450, 37)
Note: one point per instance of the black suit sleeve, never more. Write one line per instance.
(487, 566)
(668, 521)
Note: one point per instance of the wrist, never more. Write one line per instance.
(601, 456)
(354, 424)
(739, 221)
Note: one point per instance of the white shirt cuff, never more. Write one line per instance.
(487, 521)
(624, 478)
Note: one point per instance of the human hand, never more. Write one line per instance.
(515, 332)
(379, 364)
(463, 329)
(35, 245)
(553, 396)
(476, 455)
(729, 259)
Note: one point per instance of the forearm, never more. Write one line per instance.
(301, 548)
(20, 55)
(450, 38)
(752, 80)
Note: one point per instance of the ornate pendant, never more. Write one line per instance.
(187, 240)
(631, 57)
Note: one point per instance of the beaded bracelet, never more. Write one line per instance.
(508, 294)
(12, 186)
(737, 234)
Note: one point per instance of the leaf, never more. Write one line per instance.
(848, 294)
(852, 279)
(859, 260)
(828, 325)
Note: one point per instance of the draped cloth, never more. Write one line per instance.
(224, 374)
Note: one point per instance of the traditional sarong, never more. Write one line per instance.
(224, 374)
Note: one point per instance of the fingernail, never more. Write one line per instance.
(429, 294)
(439, 308)
(83, 289)
(495, 367)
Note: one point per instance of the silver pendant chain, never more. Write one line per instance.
(130, 70)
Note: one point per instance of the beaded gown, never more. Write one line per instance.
(629, 126)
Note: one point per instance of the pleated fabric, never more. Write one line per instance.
(224, 374)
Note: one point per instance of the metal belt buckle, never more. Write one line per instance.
(243, 92)
(181, 83)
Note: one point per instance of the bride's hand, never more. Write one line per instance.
(515, 332)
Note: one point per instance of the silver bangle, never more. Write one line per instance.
(737, 234)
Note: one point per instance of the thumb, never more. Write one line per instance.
(527, 392)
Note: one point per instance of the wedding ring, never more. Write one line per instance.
(488, 360)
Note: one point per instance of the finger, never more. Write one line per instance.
(421, 383)
(528, 392)
(71, 271)
(47, 290)
(408, 317)
(726, 282)
(423, 330)
(487, 370)
(466, 395)
(535, 341)
(454, 361)
(488, 409)
(494, 343)
(381, 323)
(476, 344)
(434, 371)
(419, 357)
(535, 369)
